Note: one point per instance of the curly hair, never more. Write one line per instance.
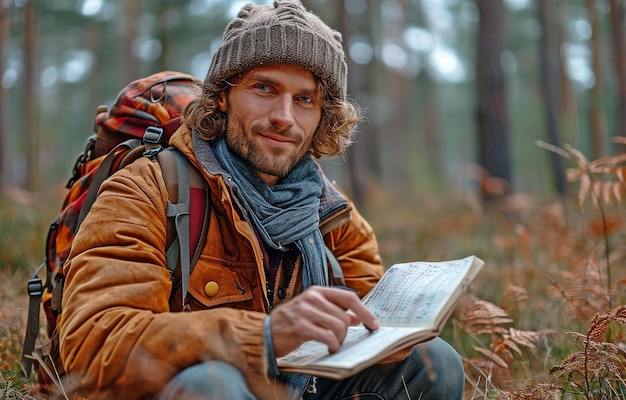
(333, 136)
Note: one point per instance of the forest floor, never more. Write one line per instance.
(546, 299)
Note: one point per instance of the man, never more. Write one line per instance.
(274, 99)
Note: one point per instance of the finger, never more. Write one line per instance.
(329, 338)
(312, 328)
(319, 313)
(296, 322)
(325, 313)
(334, 343)
(349, 300)
(354, 320)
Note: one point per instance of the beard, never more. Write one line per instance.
(274, 162)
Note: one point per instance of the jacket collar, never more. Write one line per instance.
(334, 207)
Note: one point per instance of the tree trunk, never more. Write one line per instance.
(424, 119)
(30, 98)
(395, 133)
(548, 70)
(568, 99)
(4, 126)
(619, 59)
(129, 66)
(493, 139)
(359, 157)
(596, 118)
(432, 131)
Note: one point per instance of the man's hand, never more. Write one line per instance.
(319, 313)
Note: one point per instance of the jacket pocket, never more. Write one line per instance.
(213, 284)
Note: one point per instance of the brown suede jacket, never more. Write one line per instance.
(119, 339)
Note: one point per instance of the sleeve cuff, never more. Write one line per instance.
(272, 366)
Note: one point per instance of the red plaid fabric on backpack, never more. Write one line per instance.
(140, 122)
(151, 105)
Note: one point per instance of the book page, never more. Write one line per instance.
(415, 293)
(411, 301)
(358, 347)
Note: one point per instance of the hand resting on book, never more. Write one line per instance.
(319, 313)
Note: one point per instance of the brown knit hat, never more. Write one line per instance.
(285, 33)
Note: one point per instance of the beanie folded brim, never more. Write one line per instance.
(285, 34)
(281, 44)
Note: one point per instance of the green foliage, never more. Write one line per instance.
(24, 222)
(11, 388)
(12, 385)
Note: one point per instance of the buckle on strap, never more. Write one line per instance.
(35, 287)
(153, 135)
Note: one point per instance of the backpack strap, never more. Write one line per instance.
(187, 194)
(180, 174)
(35, 291)
(336, 273)
(103, 172)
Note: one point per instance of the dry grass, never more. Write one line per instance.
(24, 221)
(545, 319)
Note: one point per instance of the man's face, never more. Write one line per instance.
(273, 111)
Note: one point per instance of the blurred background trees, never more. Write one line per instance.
(456, 92)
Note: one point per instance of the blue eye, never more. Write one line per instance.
(305, 99)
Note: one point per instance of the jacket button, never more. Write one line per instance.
(211, 288)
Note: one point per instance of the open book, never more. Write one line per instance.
(412, 302)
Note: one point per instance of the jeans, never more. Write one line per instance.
(433, 370)
(211, 380)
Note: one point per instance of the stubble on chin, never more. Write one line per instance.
(261, 160)
(274, 163)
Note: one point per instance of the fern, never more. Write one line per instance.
(600, 366)
(602, 179)
(497, 344)
(583, 288)
(544, 391)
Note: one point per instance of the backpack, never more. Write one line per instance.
(140, 122)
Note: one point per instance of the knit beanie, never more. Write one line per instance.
(282, 33)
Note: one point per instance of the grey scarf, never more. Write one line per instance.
(285, 213)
